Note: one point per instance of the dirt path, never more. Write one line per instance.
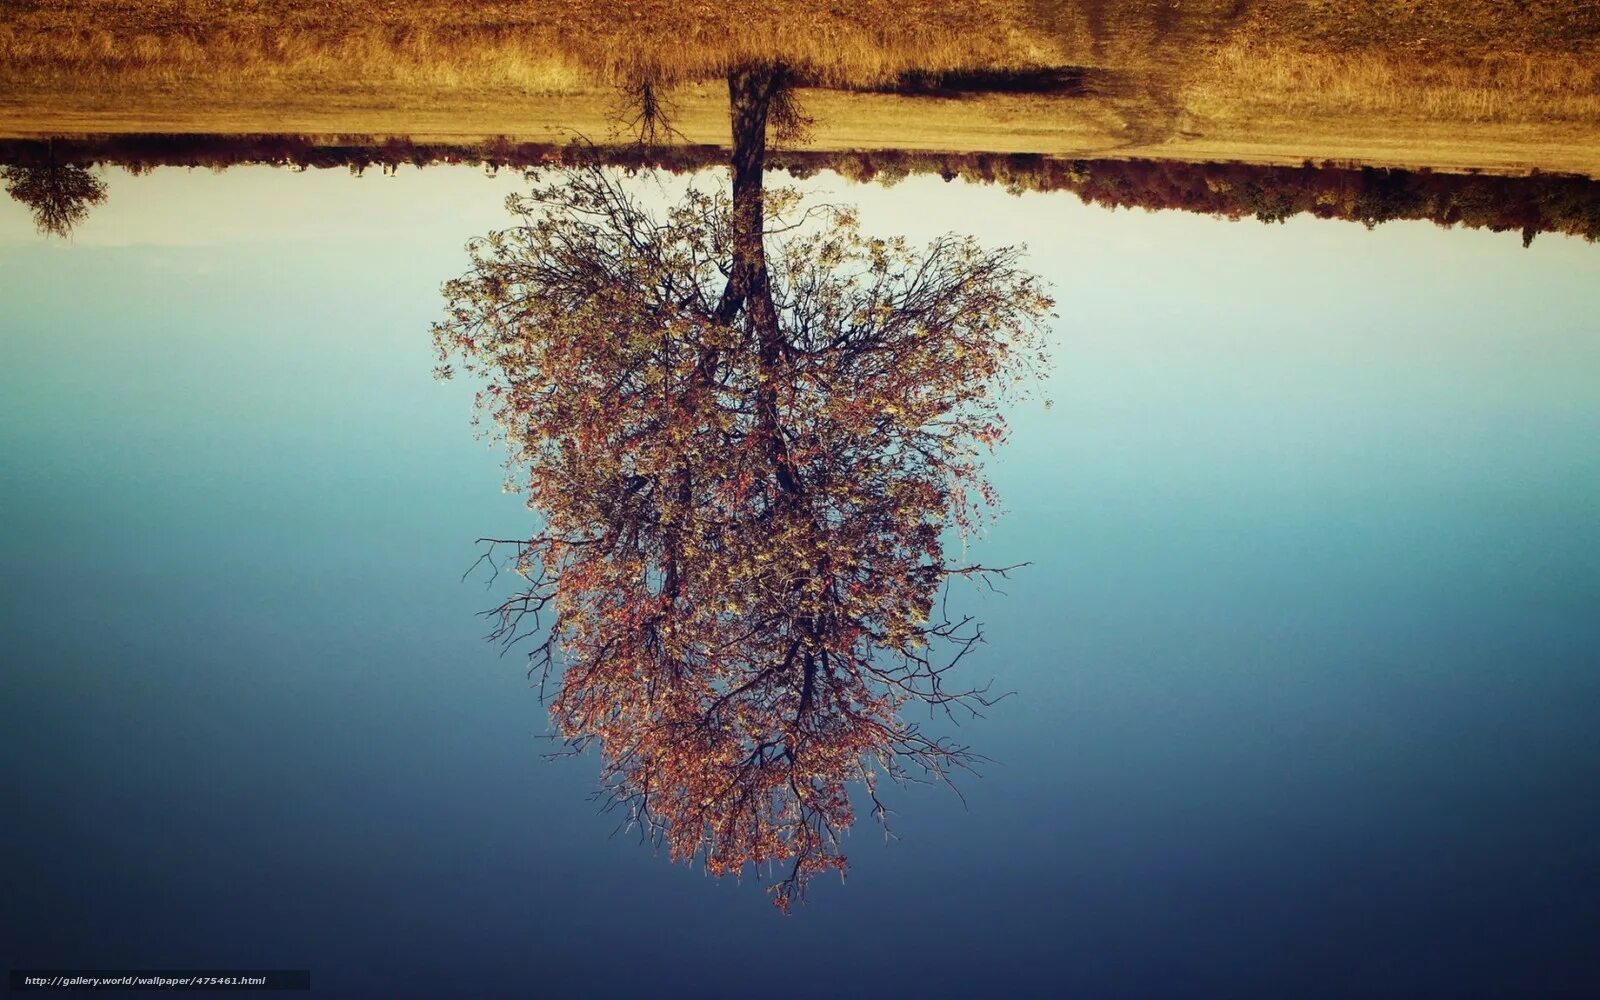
(1116, 116)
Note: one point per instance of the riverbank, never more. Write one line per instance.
(1467, 85)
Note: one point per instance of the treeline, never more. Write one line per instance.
(1528, 205)
(1537, 203)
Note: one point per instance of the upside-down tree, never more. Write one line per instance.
(747, 426)
(59, 194)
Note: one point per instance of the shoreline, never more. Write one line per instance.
(1060, 127)
(1530, 203)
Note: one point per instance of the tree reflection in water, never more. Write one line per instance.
(59, 195)
(747, 426)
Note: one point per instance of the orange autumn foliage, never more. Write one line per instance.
(746, 448)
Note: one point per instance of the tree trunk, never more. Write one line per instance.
(750, 92)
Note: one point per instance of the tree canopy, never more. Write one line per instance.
(747, 426)
(59, 195)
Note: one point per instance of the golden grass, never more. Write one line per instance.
(1430, 29)
(245, 57)
(559, 46)
(1163, 72)
(1245, 78)
(535, 47)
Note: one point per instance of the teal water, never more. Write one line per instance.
(1308, 691)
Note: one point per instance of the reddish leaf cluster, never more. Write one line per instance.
(746, 448)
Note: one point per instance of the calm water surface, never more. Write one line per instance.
(1308, 691)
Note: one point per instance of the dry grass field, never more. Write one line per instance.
(538, 46)
(1490, 84)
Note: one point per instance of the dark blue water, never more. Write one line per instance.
(1307, 660)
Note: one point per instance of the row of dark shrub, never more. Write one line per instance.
(1529, 205)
